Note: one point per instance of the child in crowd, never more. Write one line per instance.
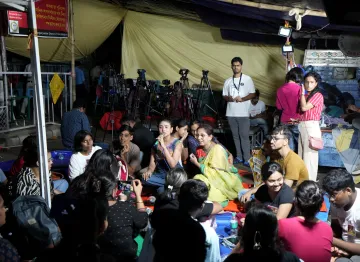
(257, 113)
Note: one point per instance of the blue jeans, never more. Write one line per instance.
(156, 180)
(2, 176)
(243, 192)
(293, 142)
(61, 185)
(261, 123)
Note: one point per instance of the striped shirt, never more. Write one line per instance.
(314, 114)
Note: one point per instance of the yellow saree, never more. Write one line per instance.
(221, 178)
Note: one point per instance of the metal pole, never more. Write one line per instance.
(73, 76)
(4, 68)
(39, 105)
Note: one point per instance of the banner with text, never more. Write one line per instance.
(51, 17)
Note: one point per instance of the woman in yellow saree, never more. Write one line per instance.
(222, 179)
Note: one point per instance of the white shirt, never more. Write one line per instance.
(78, 163)
(212, 243)
(350, 217)
(233, 87)
(257, 109)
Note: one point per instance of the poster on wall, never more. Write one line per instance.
(51, 17)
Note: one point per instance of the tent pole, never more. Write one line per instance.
(73, 76)
(4, 87)
(39, 107)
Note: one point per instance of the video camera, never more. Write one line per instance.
(166, 82)
(141, 73)
(205, 73)
(183, 72)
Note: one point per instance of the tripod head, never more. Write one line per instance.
(205, 73)
(141, 73)
(183, 72)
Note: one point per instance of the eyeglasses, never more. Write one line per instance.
(276, 138)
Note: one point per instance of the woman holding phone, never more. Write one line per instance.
(165, 155)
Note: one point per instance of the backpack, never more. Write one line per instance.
(33, 218)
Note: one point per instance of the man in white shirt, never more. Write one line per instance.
(237, 92)
(257, 113)
(345, 205)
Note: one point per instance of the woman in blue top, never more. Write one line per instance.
(165, 155)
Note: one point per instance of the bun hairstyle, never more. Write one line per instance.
(308, 199)
(173, 182)
(101, 185)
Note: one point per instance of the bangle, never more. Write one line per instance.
(139, 202)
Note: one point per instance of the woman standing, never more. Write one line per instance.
(274, 193)
(305, 235)
(259, 241)
(165, 155)
(84, 148)
(311, 105)
(222, 179)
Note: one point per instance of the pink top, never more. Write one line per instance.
(309, 241)
(314, 114)
(287, 100)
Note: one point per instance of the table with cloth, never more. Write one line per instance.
(223, 224)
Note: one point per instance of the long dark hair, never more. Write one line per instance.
(102, 160)
(28, 143)
(317, 78)
(260, 235)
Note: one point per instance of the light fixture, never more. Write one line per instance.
(287, 49)
(285, 31)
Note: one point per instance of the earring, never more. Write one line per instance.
(257, 239)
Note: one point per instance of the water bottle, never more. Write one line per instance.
(234, 224)
(61, 156)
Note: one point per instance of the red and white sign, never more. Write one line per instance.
(51, 17)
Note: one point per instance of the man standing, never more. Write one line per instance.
(258, 113)
(81, 91)
(73, 122)
(237, 92)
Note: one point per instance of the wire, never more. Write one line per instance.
(309, 32)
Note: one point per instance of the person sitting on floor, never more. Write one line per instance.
(305, 235)
(192, 197)
(181, 133)
(294, 167)
(345, 205)
(257, 111)
(259, 239)
(169, 199)
(128, 151)
(74, 121)
(274, 193)
(124, 219)
(27, 182)
(142, 137)
(83, 150)
(222, 178)
(27, 143)
(165, 155)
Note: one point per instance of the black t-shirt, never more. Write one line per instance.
(163, 203)
(285, 257)
(125, 221)
(144, 139)
(285, 196)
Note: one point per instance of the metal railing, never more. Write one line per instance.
(8, 122)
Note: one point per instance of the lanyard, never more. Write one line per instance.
(237, 87)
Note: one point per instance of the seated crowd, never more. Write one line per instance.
(99, 206)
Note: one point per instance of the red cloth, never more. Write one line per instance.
(309, 241)
(287, 100)
(106, 124)
(16, 167)
(314, 114)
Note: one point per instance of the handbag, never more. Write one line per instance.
(315, 143)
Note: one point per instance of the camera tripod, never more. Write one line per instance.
(136, 94)
(186, 96)
(204, 88)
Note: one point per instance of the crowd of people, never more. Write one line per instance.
(101, 211)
